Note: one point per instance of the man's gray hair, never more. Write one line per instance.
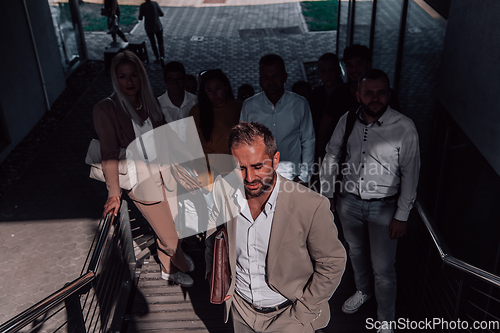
(246, 133)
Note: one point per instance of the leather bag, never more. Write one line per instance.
(113, 24)
(221, 277)
(221, 274)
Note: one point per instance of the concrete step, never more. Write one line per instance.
(160, 306)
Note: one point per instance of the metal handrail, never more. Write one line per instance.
(101, 243)
(24, 318)
(448, 258)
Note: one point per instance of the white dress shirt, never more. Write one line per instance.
(173, 113)
(290, 121)
(252, 241)
(383, 159)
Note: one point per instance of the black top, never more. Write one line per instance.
(108, 5)
(317, 102)
(151, 11)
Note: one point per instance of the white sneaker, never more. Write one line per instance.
(190, 262)
(180, 278)
(385, 330)
(354, 302)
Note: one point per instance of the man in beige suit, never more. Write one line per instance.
(285, 258)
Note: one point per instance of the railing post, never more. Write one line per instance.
(121, 307)
(338, 27)
(128, 241)
(76, 323)
(129, 261)
(462, 297)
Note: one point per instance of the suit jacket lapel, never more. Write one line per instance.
(230, 200)
(281, 221)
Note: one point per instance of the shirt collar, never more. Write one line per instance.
(387, 114)
(171, 105)
(268, 102)
(270, 205)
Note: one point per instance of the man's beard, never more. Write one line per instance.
(368, 111)
(264, 188)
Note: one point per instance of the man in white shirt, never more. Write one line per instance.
(288, 117)
(176, 102)
(284, 255)
(380, 178)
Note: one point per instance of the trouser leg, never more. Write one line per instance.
(122, 35)
(243, 317)
(151, 37)
(161, 47)
(170, 252)
(383, 257)
(356, 234)
(113, 35)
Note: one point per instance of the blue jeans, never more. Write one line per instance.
(366, 230)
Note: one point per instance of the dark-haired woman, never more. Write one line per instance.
(215, 114)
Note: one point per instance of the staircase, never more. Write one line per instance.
(160, 306)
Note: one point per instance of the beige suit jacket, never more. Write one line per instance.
(305, 260)
(115, 130)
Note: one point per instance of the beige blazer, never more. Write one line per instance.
(114, 129)
(305, 260)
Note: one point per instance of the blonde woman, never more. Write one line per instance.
(131, 111)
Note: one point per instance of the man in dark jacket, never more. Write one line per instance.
(152, 24)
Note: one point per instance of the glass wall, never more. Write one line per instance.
(423, 46)
(67, 21)
(362, 17)
(387, 23)
(457, 184)
(465, 193)
(342, 26)
(421, 43)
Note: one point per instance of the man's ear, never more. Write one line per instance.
(358, 97)
(276, 160)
